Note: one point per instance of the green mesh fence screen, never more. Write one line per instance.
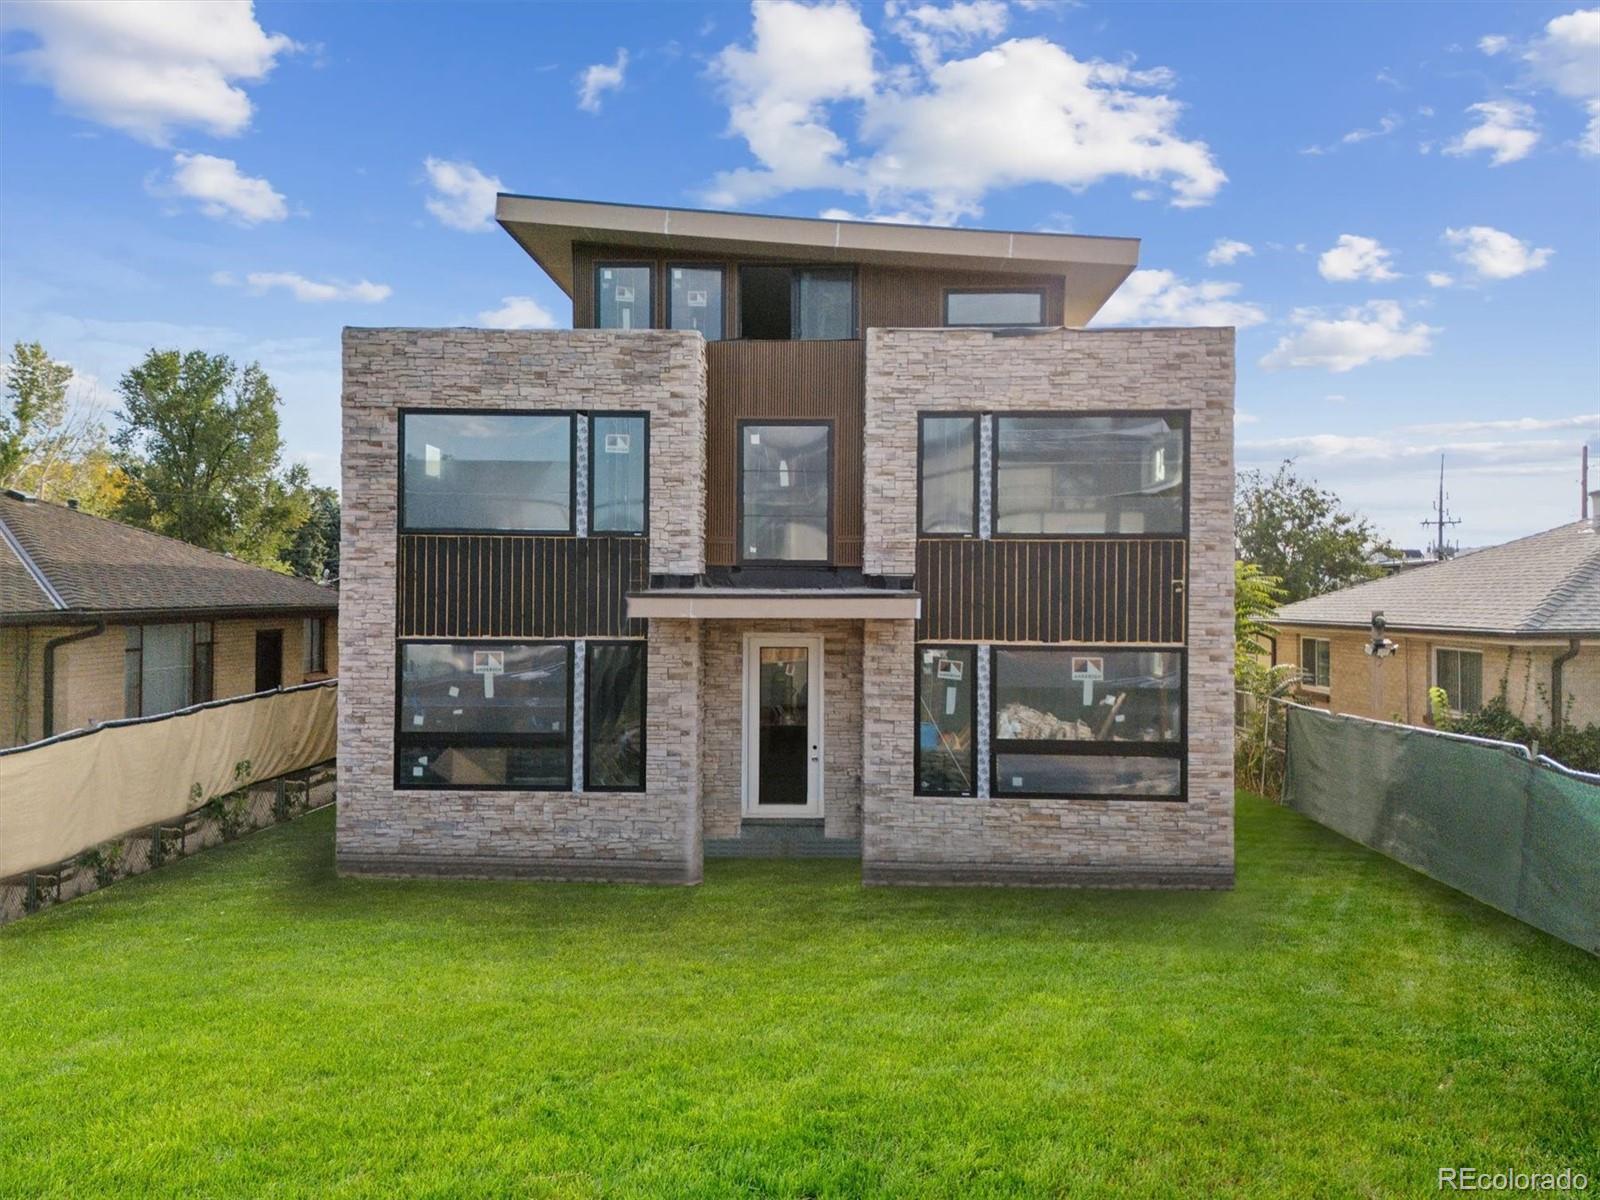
(1523, 838)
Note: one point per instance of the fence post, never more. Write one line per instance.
(280, 800)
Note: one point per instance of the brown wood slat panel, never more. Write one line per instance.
(1092, 591)
(517, 586)
(913, 298)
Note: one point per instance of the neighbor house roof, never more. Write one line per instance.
(1547, 584)
(547, 229)
(58, 563)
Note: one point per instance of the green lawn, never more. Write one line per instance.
(246, 1023)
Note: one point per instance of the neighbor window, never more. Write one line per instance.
(488, 471)
(613, 728)
(486, 715)
(315, 636)
(948, 466)
(994, 308)
(622, 297)
(947, 751)
(1089, 474)
(695, 300)
(166, 667)
(784, 493)
(797, 303)
(1088, 723)
(1315, 662)
(1460, 674)
(617, 463)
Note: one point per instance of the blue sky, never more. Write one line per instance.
(1418, 187)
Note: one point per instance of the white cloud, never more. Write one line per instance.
(1509, 424)
(1505, 128)
(1494, 254)
(1567, 59)
(308, 291)
(517, 312)
(1161, 298)
(932, 31)
(1493, 43)
(1440, 279)
(1354, 257)
(463, 196)
(223, 191)
(1386, 125)
(1373, 332)
(148, 67)
(1226, 251)
(937, 139)
(600, 78)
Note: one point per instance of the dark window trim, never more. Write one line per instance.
(649, 264)
(743, 424)
(1178, 750)
(977, 449)
(667, 267)
(210, 674)
(606, 412)
(314, 654)
(133, 674)
(1182, 415)
(133, 661)
(573, 416)
(794, 270)
(644, 712)
(944, 305)
(971, 650)
(531, 740)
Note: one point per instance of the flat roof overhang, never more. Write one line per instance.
(547, 228)
(752, 604)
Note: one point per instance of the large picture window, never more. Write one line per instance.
(947, 468)
(994, 308)
(1460, 674)
(1089, 474)
(622, 296)
(797, 303)
(487, 471)
(947, 751)
(618, 460)
(1087, 722)
(167, 667)
(485, 715)
(785, 487)
(695, 300)
(613, 728)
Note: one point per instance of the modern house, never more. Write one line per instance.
(1522, 617)
(100, 621)
(812, 537)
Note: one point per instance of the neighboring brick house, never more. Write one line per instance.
(1523, 617)
(813, 538)
(100, 621)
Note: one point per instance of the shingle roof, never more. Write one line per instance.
(1545, 584)
(99, 567)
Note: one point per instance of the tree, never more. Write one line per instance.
(41, 433)
(1256, 596)
(199, 442)
(1300, 533)
(314, 552)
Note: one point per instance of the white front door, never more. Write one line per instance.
(782, 725)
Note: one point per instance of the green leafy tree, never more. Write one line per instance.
(200, 444)
(314, 552)
(1301, 534)
(35, 419)
(1256, 596)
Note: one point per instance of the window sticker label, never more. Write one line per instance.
(695, 299)
(1089, 671)
(949, 701)
(618, 443)
(488, 663)
(431, 459)
(624, 295)
(950, 668)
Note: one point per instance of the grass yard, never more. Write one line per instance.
(245, 1023)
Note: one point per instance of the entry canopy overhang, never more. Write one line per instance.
(547, 228)
(746, 604)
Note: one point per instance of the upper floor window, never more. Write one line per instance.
(618, 487)
(948, 472)
(994, 308)
(1460, 674)
(166, 667)
(797, 303)
(1316, 668)
(1082, 474)
(487, 471)
(784, 500)
(622, 296)
(695, 300)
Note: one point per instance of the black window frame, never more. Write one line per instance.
(917, 789)
(494, 739)
(1312, 640)
(670, 265)
(589, 647)
(994, 291)
(133, 667)
(314, 651)
(573, 417)
(1182, 416)
(648, 264)
(589, 418)
(1088, 749)
(976, 418)
(795, 270)
(743, 424)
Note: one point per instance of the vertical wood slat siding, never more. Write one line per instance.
(453, 585)
(1091, 591)
(913, 298)
(788, 381)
